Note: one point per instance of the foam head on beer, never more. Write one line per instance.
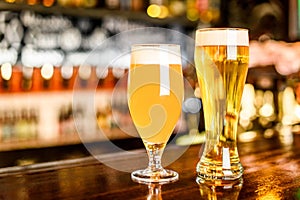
(156, 54)
(206, 37)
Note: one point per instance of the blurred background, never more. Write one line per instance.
(43, 44)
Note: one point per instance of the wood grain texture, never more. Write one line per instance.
(272, 171)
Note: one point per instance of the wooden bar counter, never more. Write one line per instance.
(272, 171)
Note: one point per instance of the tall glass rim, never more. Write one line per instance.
(222, 28)
(222, 36)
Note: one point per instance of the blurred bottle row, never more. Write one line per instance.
(62, 116)
(270, 106)
(18, 125)
(51, 78)
(37, 105)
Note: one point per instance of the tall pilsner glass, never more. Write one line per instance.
(221, 59)
(155, 95)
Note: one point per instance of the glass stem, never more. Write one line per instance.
(155, 159)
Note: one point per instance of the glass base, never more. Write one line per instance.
(220, 182)
(214, 172)
(147, 176)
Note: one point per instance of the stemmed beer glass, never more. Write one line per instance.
(221, 60)
(155, 95)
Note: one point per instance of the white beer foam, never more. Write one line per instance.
(154, 53)
(222, 36)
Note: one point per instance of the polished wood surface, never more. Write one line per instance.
(272, 171)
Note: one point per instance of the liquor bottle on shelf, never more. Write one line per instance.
(26, 84)
(118, 74)
(36, 79)
(93, 79)
(102, 74)
(104, 118)
(16, 79)
(21, 125)
(6, 74)
(8, 126)
(66, 123)
(47, 71)
(84, 74)
(32, 120)
(56, 79)
(18, 124)
(110, 79)
(66, 75)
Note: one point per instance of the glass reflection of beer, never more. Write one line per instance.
(155, 94)
(221, 59)
(228, 191)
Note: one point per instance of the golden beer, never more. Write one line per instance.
(221, 59)
(155, 94)
(154, 115)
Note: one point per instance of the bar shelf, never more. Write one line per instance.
(98, 13)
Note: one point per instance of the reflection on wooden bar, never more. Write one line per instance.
(272, 171)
